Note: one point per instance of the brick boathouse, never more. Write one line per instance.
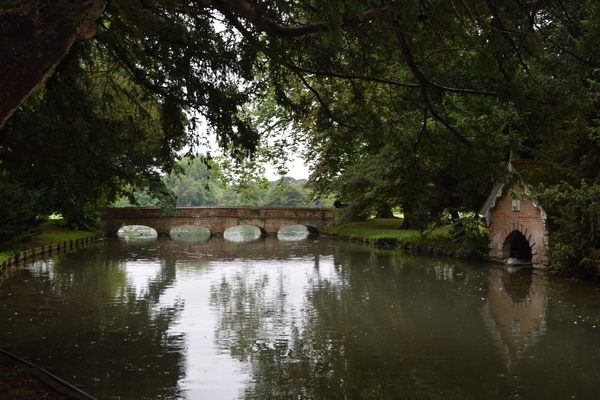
(519, 227)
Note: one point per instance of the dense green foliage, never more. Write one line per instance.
(420, 109)
(18, 222)
(119, 108)
(470, 239)
(286, 196)
(412, 104)
(202, 183)
(577, 243)
(194, 187)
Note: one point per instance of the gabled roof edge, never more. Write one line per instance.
(491, 201)
(543, 213)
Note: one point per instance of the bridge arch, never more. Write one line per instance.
(183, 229)
(244, 233)
(190, 234)
(137, 231)
(313, 230)
(294, 232)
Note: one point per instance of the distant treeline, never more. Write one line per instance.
(200, 185)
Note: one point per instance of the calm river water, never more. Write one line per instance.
(308, 319)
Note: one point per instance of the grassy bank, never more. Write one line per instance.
(53, 231)
(16, 384)
(463, 245)
(382, 230)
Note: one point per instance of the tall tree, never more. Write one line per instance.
(408, 101)
(425, 99)
(120, 106)
(285, 195)
(195, 186)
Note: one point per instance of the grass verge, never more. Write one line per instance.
(53, 231)
(383, 230)
(438, 241)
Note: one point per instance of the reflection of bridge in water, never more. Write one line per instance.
(218, 219)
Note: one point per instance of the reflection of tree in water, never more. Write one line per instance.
(358, 333)
(259, 326)
(114, 338)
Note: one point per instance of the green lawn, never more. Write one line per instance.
(381, 229)
(53, 231)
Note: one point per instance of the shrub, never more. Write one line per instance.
(470, 239)
(577, 242)
(18, 220)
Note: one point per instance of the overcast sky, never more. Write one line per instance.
(297, 170)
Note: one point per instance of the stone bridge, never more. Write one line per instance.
(217, 219)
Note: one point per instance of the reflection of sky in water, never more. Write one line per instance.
(209, 373)
(139, 273)
(191, 237)
(209, 317)
(293, 233)
(242, 233)
(136, 240)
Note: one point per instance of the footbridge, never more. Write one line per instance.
(217, 219)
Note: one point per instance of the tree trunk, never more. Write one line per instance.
(385, 211)
(35, 37)
(407, 223)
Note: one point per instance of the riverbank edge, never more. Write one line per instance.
(18, 260)
(432, 245)
(46, 377)
(13, 264)
(367, 240)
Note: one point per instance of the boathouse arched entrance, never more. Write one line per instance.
(517, 246)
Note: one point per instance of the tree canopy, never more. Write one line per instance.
(413, 103)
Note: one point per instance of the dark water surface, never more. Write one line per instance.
(310, 319)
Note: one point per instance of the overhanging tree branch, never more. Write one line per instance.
(423, 81)
(326, 108)
(345, 76)
(248, 11)
(35, 37)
